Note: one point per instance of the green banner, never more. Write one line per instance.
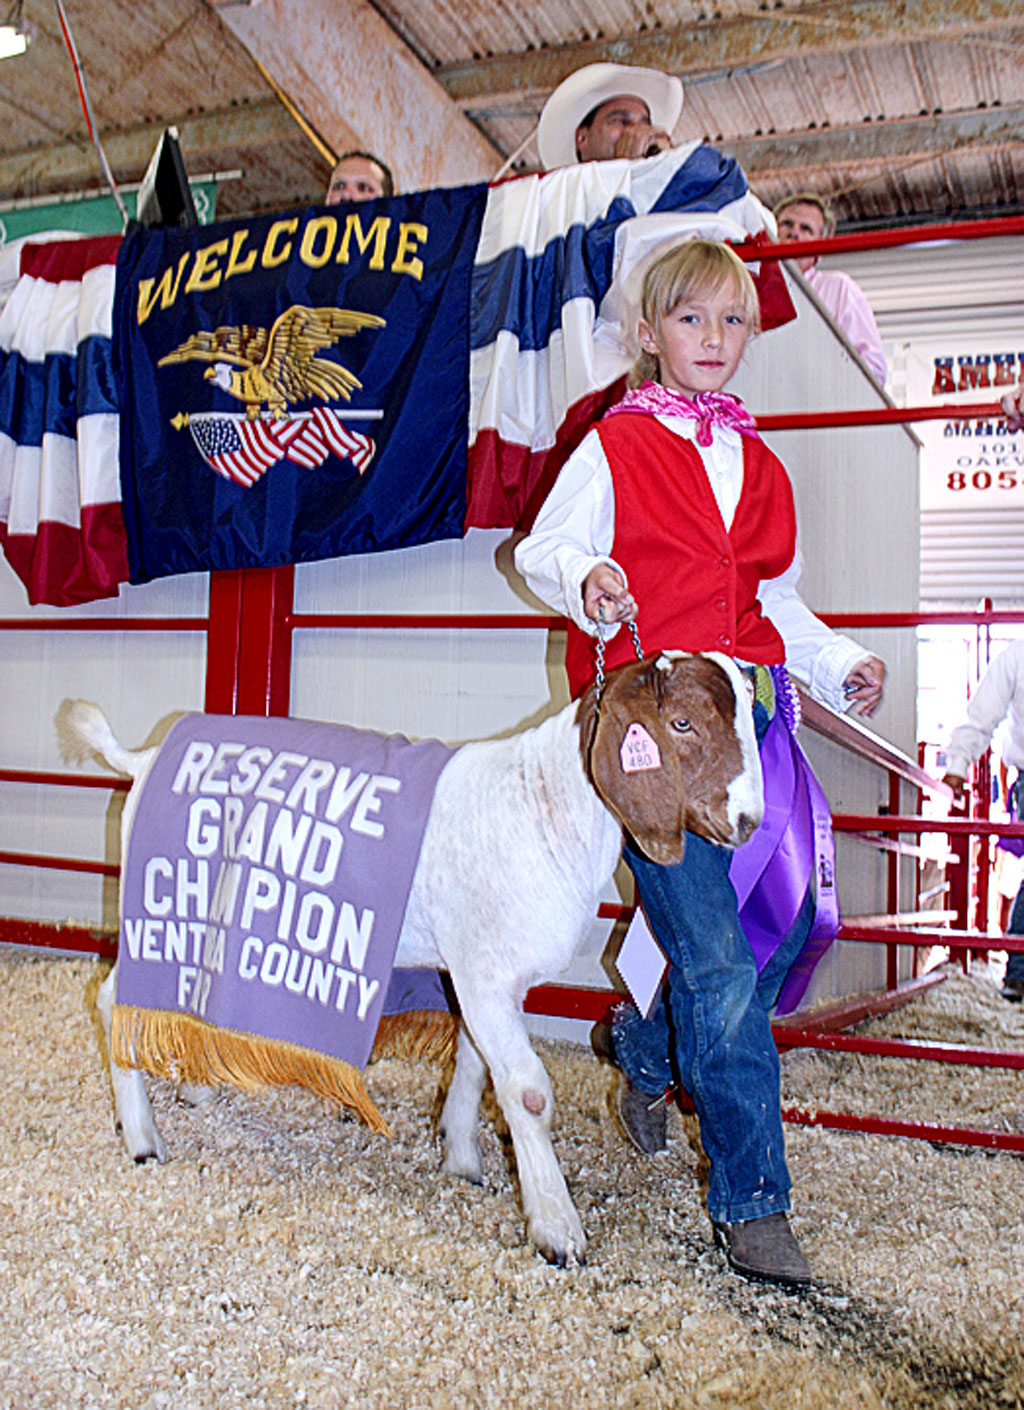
(93, 215)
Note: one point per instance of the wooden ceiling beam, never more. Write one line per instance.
(358, 84)
(205, 138)
(727, 43)
(808, 154)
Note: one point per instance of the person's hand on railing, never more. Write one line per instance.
(864, 685)
(1013, 406)
(956, 783)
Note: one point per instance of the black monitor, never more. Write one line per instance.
(165, 197)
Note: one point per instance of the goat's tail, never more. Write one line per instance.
(82, 729)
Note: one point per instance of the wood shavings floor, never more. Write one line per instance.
(287, 1257)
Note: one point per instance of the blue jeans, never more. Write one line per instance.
(1015, 961)
(709, 1030)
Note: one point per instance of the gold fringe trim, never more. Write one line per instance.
(428, 1034)
(184, 1048)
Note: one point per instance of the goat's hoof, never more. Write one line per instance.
(462, 1159)
(144, 1147)
(465, 1169)
(561, 1249)
(560, 1257)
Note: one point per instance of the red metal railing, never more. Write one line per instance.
(885, 239)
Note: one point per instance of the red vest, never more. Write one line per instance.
(695, 582)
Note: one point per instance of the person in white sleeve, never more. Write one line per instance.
(999, 696)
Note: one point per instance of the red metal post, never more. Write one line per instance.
(265, 645)
(225, 612)
(918, 865)
(892, 975)
(983, 810)
(248, 664)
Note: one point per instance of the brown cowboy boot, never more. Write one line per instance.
(641, 1116)
(764, 1250)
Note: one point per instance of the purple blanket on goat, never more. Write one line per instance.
(268, 870)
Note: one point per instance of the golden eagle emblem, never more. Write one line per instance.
(275, 366)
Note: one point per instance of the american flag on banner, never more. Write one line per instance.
(552, 319)
(242, 448)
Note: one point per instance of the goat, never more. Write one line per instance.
(522, 837)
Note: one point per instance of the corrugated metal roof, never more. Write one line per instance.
(900, 112)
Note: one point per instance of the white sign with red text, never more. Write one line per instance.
(971, 463)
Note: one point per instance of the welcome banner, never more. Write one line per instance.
(295, 386)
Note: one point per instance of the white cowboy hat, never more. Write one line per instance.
(587, 89)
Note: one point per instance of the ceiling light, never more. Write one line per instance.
(12, 41)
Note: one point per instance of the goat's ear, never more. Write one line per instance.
(633, 765)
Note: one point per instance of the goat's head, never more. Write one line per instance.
(672, 749)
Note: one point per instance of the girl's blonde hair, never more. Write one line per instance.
(691, 270)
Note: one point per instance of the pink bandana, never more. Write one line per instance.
(708, 409)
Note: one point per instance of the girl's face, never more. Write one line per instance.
(698, 343)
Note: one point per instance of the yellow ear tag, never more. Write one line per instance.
(638, 751)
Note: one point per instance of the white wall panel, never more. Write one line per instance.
(137, 677)
(454, 684)
(968, 287)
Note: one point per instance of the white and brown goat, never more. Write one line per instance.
(523, 836)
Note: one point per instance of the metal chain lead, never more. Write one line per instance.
(599, 650)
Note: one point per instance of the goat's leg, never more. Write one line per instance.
(523, 1090)
(133, 1113)
(460, 1117)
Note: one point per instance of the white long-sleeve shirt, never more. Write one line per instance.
(999, 696)
(575, 531)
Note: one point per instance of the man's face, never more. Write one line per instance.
(597, 142)
(802, 221)
(354, 179)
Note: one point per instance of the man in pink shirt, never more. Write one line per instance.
(804, 216)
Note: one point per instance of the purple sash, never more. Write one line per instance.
(772, 871)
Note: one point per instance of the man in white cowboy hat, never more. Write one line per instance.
(605, 111)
